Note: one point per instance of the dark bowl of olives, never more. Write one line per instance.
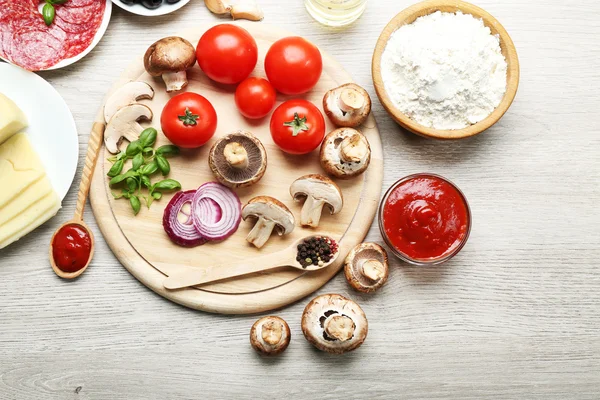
(150, 7)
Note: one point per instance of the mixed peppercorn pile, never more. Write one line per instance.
(316, 250)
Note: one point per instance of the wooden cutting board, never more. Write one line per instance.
(142, 246)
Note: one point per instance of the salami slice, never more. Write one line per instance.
(36, 49)
(80, 3)
(77, 15)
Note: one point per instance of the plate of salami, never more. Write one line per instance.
(26, 40)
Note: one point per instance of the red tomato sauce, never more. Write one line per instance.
(426, 218)
(71, 248)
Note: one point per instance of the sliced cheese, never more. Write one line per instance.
(14, 183)
(19, 152)
(30, 219)
(12, 119)
(25, 199)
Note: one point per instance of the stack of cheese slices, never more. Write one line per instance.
(27, 198)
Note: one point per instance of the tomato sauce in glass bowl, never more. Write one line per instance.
(425, 219)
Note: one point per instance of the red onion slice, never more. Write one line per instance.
(216, 211)
(179, 223)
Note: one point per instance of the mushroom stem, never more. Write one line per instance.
(236, 155)
(350, 100)
(261, 232)
(373, 270)
(353, 149)
(311, 212)
(175, 80)
(272, 332)
(339, 327)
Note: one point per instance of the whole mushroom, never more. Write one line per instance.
(348, 105)
(318, 192)
(238, 159)
(170, 58)
(270, 335)
(270, 214)
(334, 324)
(125, 124)
(366, 267)
(345, 153)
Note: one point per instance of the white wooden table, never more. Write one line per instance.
(515, 316)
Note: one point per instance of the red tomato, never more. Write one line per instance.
(227, 53)
(255, 97)
(188, 120)
(297, 127)
(293, 65)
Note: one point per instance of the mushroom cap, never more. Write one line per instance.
(272, 209)
(270, 335)
(124, 124)
(338, 310)
(352, 117)
(320, 188)
(170, 54)
(126, 95)
(355, 263)
(238, 177)
(331, 159)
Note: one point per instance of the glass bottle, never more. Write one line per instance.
(335, 12)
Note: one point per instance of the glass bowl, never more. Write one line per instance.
(424, 261)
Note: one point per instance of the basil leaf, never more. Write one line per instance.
(120, 178)
(135, 204)
(115, 169)
(116, 196)
(146, 181)
(167, 150)
(133, 148)
(148, 151)
(131, 184)
(48, 12)
(138, 160)
(163, 165)
(148, 137)
(167, 184)
(56, 1)
(149, 169)
(121, 155)
(157, 195)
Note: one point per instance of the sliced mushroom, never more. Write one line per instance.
(334, 324)
(348, 105)
(126, 95)
(244, 9)
(345, 153)
(238, 159)
(124, 124)
(270, 214)
(366, 267)
(319, 192)
(270, 335)
(170, 58)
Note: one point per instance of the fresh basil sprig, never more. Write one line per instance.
(49, 12)
(145, 162)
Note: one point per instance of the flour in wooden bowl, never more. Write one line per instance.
(445, 70)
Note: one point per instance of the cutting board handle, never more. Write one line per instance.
(94, 144)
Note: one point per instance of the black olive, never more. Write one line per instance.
(151, 4)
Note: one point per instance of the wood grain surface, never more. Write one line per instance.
(515, 316)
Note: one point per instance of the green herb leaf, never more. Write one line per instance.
(48, 12)
(138, 160)
(132, 184)
(133, 148)
(56, 1)
(157, 195)
(146, 181)
(148, 151)
(148, 137)
(120, 178)
(115, 169)
(297, 124)
(163, 165)
(167, 184)
(189, 119)
(149, 168)
(112, 159)
(116, 196)
(121, 155)
(167, 150)
(135, 204)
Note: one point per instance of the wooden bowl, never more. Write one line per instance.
(507, 47)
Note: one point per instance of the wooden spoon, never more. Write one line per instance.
(94, 144)
(286, 257)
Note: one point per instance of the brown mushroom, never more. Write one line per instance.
(348, 105)
(270, 214)
(345, 153)
(270, 335)
(318, 192)
(238, 159)
(334, 324)
(170, 58)
(366, 267)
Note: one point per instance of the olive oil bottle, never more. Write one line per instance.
(335, 12)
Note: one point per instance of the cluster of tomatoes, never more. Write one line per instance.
(228, 54)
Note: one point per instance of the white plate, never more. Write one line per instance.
(51, 130)
(99, 34)
(139, 9)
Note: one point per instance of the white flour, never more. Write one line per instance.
(444, 70)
